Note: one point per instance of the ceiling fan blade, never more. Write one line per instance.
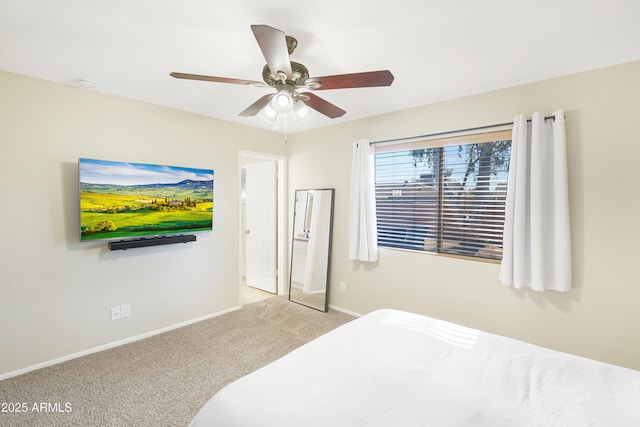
(346, 81)
(273, 44)
(217, 79)
(255, 108)
(322, 106)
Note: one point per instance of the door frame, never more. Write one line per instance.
(281, 251)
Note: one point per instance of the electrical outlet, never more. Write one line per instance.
(115, 312)
(125, 310)
(343, 286)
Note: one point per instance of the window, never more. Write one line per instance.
(444, 196)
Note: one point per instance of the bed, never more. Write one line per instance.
(393, 368)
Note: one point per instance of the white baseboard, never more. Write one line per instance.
(342, 310)
(113, 344)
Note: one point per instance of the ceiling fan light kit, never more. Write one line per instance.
(282, 102)
(269, 113)
(287, 77)
(301, 111)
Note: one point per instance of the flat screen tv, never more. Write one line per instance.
(121, 200)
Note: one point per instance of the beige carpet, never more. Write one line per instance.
(163, 380)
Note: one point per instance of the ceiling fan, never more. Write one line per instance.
(288, 77)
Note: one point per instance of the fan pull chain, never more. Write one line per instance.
(285, 128)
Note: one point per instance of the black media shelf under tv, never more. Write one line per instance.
(151, 241)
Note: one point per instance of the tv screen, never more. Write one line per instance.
(120, 200)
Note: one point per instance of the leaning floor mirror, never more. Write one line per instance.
(311, 248)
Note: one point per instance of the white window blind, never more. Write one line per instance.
(444, 196)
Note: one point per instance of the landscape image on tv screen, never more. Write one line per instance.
(120, 200)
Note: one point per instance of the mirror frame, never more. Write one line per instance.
(325, 307)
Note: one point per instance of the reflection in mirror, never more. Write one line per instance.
(311, 248)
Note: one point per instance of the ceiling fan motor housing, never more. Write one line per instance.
(299, 75)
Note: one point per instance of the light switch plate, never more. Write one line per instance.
(125, 310)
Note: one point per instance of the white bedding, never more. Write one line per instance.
(392, 368)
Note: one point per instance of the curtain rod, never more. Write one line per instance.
(450, 132)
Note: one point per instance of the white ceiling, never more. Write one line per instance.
(436, 49)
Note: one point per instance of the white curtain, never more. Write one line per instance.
(363, 233)
(536, 239)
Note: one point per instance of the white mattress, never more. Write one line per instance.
(392, 368)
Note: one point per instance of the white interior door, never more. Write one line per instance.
(261, 225)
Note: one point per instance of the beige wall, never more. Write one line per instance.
(55, 292)
(599, 318)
